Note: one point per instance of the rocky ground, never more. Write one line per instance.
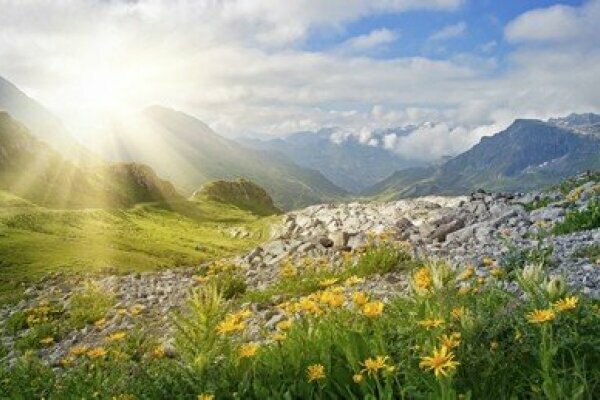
(461, 229)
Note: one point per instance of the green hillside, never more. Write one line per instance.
(36, 240)
(241, 193)
(189, 153)
(32, 170)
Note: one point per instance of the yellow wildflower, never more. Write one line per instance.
(373, 309)
(332, 299)
(360, 298)
(464, 290)
(458, 312)
(328, 282)
(541, 316)
(497, 272)
(116, 336)
(315, 372)
(158, 352)
(494, 345)
(47, 340)
(358, 378)
(441, 362)
(248, 350)
(96, 352)
(354, 280)
(284, 325)
(431, 323)
(488, 261)
(78, 350)
(100, 323)
(201, 279)
(450, 341)
(206, 396)
(230, 325)
(422, 278)
(481, 280)
(373, 365)
(467, 273)
(566, 304)
(278, 336)
(137, 309)
(121, 311)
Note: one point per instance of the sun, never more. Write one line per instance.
(101, 89)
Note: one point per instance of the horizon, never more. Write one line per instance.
(265, 69)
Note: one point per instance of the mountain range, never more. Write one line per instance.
(41, 162)
(528, 154)
(346, 161)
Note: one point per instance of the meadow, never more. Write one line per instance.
(455, 335)
(35, 241)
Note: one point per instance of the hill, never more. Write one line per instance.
(527, 155)
(187, 152)
(41, 122)
(241, 193)
(349, 164)
(34, 171)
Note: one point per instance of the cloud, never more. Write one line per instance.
(371, 40)
(242, 67)
(557, 23)
(450, 31)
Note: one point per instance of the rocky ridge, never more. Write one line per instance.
(463, 230)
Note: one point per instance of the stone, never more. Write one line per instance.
(339, 239)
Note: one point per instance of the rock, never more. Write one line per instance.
(443, 230)
(325, 242)
(339, 239)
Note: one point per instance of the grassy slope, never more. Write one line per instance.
(35, 240)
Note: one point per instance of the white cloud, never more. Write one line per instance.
(371, 40)
(450, 31)
(557, 24)
(240, 66)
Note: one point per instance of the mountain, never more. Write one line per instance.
(34, 171)
(345, 161)
(189, 153)
(41, 122)
(240, 193)
(527, 155)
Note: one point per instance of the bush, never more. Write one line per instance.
(580, 220)
(89, 305)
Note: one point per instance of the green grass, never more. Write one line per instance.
(35, 241)
(591, 252)
(499, 350)
(580, 220)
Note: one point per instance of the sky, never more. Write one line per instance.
(458, 69)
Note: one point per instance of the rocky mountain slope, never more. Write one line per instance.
(528, 154)
(349, 163)
(31, 169)
(189, 153)
(489, 234)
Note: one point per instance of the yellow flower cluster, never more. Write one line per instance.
(96, 352)
(451, 341)
(235, 322)
(248, 350)
(315, 372)
(422, 279)
(373, 309)
(431, 323)
(116, 336)
(40, 314)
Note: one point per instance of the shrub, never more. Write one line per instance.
(580, 220)
(89, 305)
